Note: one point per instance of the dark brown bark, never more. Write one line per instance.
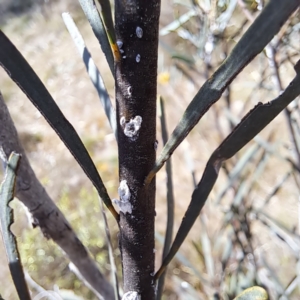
(137, 35)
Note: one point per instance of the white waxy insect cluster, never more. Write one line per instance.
(124, 194)
(131, 129)
(124, 191)
(139, 32)
(120, 45)
(131, 296)
(122, 121)
(138, 58)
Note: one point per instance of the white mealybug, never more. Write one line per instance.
(132, 127)
(138, 58)
(124, 191)
(131, 296)
(129, 90)
(119, 43)
(139, 32)
(122, 121)
(124, 194)
(124, 56)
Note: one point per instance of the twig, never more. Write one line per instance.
(170, 199)
(7, 194)
(113, 268)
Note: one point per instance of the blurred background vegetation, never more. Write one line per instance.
(248, 232)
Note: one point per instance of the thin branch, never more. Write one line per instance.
(170, 199)
(237, 170)
(276, 189)
(7, 194)
(290, 238)
(92, 70)
(39, 289)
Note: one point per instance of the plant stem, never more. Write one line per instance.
(137, 29)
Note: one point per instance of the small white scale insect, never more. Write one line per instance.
(124, 194)
(139, 32)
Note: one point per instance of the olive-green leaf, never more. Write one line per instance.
(259, 34)
(21, 72)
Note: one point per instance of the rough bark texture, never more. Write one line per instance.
(137, 28)
(45, 213)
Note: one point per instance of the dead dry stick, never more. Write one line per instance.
(7, 194)
(45, 213)
(170, 198)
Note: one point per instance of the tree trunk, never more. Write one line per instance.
(137, 34)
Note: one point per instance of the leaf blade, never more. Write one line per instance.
(90, 10)
(253, 293)
(21, 72)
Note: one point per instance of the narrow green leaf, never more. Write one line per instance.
(260, 33)
(7, 192)
(251, 124)
(92, 70)
(20, 71)
(253, 293)
(90, 10)
(110, 28)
